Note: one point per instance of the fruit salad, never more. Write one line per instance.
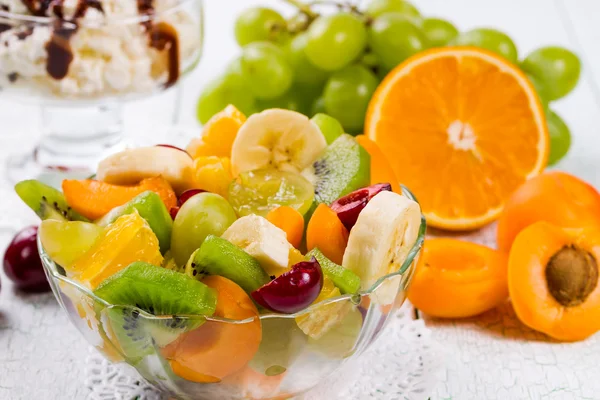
(273, 214)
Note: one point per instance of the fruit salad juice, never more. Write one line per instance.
(247, 268)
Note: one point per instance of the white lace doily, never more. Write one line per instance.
(404, 363)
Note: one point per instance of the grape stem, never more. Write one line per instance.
(303, 7)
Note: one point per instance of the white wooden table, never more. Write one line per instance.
(43, 357)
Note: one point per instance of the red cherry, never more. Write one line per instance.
(173, 147)
(22, 263)
(349, 207)
(173, 211)
(188, 194)
(294, 290)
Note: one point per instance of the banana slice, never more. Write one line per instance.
(320, 321)
(132, 165)
(379, 243)
(281, 139)
(262, 240)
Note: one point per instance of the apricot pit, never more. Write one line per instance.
(571, 275)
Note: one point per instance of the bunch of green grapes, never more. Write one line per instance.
(332, 62)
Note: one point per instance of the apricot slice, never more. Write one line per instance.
(218, 349)
(381, 170)
(553, 280)
(94, 199)
(326, 232)
(457, 279)
(289, 220)
(555, 197)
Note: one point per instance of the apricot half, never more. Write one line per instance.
(553, 280)
(555, 197)
(218, 349)
(326, 232)
(93, 199)
(381, 170)
(457, 279)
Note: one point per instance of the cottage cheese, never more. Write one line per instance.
(110, 58)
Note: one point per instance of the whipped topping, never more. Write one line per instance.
(86, 49)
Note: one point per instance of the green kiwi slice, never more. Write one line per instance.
(344, 167)
(46, 201)
(344, 279)
(150, 207)
(157, 291)
(218, 256)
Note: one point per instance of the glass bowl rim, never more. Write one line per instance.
(138, 19)
(52, 272)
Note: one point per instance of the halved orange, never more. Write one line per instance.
(462, 128)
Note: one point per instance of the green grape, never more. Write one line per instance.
(298, 23)
(329, 126)
(258, 24)
(305, 72)
(539, 88)
(292, 100)
(266, 71)
(258, 192)
(394, 38)
(219, 93)
(439, 32)
(489, 39)
(556, 68)
(80, 237)
(369, 60)
(560, 138)
(318, 106)
(382, 73)
(309, 92)
(347, 96)
(334, 41)
(202, 215)
(378, 7)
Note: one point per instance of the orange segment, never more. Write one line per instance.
(381, 170)
(213, 174)
(126, 240)
(218, 134)
(462, 128)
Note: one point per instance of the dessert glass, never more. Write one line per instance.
(81, 61)
(287, 362)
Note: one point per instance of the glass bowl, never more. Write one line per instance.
(227, 364)
(81, 61)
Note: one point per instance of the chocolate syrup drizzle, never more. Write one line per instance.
(4, 27)
(161, 36)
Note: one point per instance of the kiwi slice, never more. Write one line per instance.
(218, 256)
(157, 291)
(150, 207)
(344, 279)
(46, 201)
(343, 168)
